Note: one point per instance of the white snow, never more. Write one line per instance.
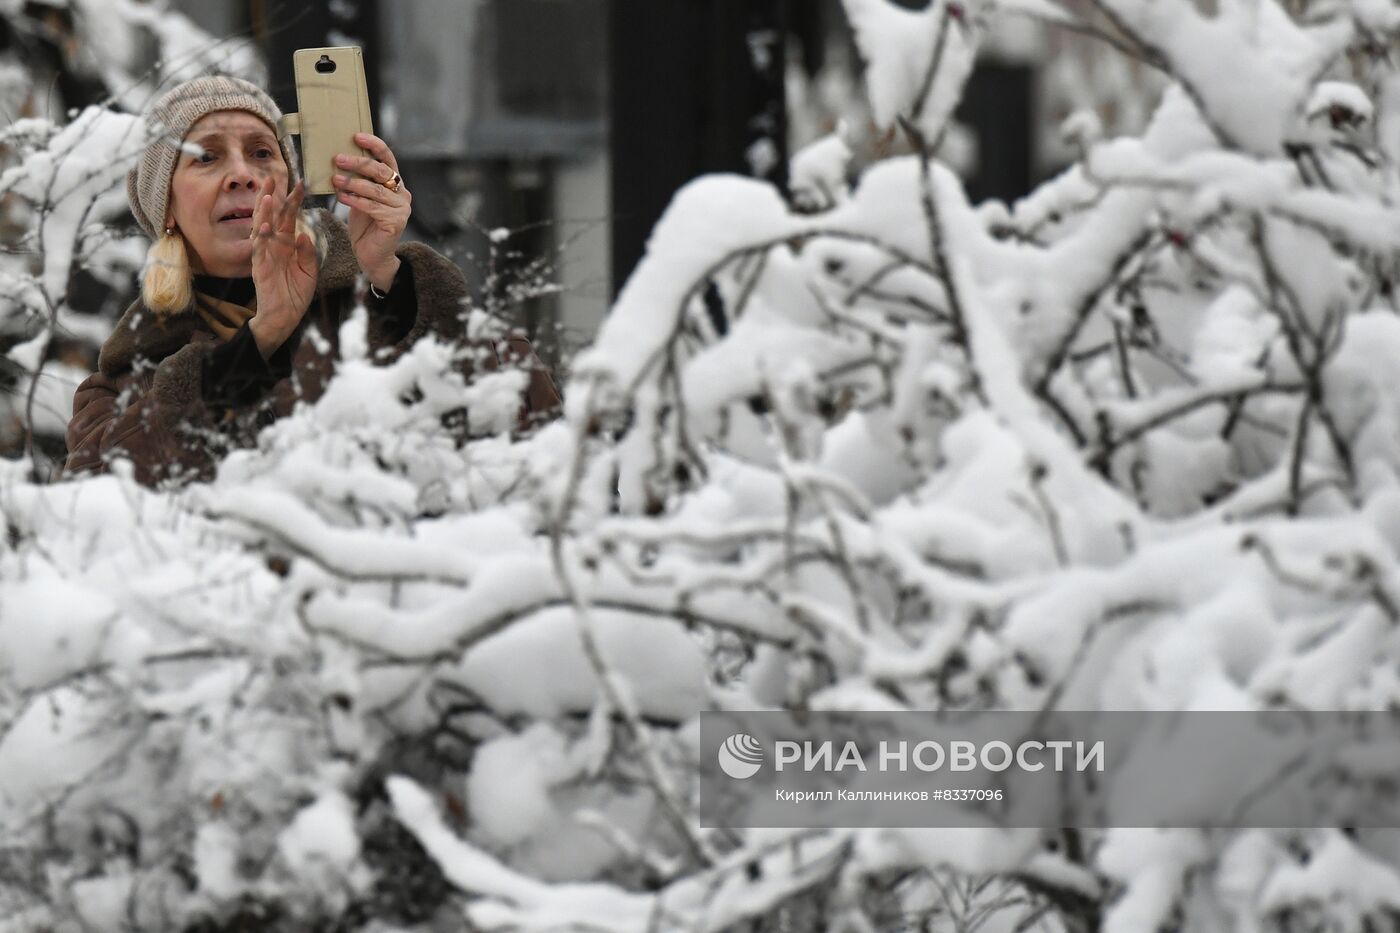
(898, 46)
(322, 835)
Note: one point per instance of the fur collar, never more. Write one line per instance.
(142, 332)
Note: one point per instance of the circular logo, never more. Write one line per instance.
(740, 756)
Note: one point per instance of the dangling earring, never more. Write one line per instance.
(166, 286)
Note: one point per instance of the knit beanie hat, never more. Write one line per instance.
(148, 184)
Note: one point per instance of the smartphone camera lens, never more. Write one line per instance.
(324, 65)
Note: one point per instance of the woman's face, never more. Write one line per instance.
(212, 194)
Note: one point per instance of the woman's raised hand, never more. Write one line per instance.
(284, 266)
(378, 213)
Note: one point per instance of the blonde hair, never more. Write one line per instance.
(167, 285)
(167, 282)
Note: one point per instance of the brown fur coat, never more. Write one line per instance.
(148, 400)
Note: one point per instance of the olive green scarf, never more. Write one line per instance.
(224, 317)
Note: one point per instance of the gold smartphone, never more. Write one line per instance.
(332, 106)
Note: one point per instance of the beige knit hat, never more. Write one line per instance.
(148, 184)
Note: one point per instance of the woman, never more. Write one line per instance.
(218, 346)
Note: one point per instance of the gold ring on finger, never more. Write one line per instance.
(393, 183)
